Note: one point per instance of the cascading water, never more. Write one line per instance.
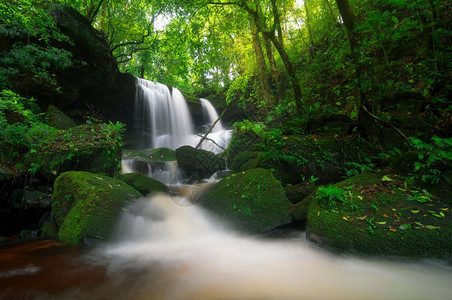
(165, 119)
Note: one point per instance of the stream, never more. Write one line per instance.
(162, 250)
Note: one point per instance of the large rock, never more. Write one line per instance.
(252, 201)
(198, 162)
(150, 155)
(377, 214)
(143, 184)
(86, 206)
(295, 159)
(56, 118)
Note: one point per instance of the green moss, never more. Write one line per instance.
(390, 219)
(251, 200)
(151, 155)
(49, 230)
(86, 206)
(245, 160)
(143, 184)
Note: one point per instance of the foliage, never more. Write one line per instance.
(31, 56)
(20, 124)
(331, 197)
(433, 158)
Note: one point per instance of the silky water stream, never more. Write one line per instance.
(162, 250)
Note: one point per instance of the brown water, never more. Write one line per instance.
(165, 251)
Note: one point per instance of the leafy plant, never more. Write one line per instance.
(331, 197)
(433, 157)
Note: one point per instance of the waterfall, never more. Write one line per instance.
(165, 121)
(164, 116)
(211, 115)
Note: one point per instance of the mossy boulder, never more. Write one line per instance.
(294, 159)
(296, 193)
(56, 118)
(86, 206)
(198, 162)
(245, 160)
(252, 201)
(378, 214)
(93, 148)
(143, 183)
(150, 155)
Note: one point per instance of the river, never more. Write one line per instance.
(166, 251)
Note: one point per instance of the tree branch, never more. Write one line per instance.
(387, 123)
(210, 129)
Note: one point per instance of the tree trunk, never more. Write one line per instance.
(291, 72)
(331, 11)
(272, 63)
(261, 64)
(308, 24)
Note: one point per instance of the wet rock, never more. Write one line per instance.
(86, 206)
(252, 201)
(150, 155)
(143, 183)
(198, 162)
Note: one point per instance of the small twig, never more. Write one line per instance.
(389, 124)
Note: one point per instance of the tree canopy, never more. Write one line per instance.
(273, 58)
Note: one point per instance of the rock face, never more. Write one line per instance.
(198, 162)
(143, 184)
(252, 201)
(377, 214)
(86, 205)
(56, 118)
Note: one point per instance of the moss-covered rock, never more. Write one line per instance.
(150, 155)
(49, 230)
(86, 205)
(143, 183)
(245, 160)
(93, 148)
(252, 201)
(56, 118)
(198, 162)
(376, 214)
(296, 193)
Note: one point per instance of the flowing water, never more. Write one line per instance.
(165, 121)
(167, 251)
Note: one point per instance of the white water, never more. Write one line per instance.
(165, 251)
(211, 115)
(165, 119)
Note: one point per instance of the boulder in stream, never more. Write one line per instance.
(143, 183)
(198, 162)
(86, 206)
(252, 201)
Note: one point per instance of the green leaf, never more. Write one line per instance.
(415, 211)
(395, 20)
(432, 227)
(386, 178)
